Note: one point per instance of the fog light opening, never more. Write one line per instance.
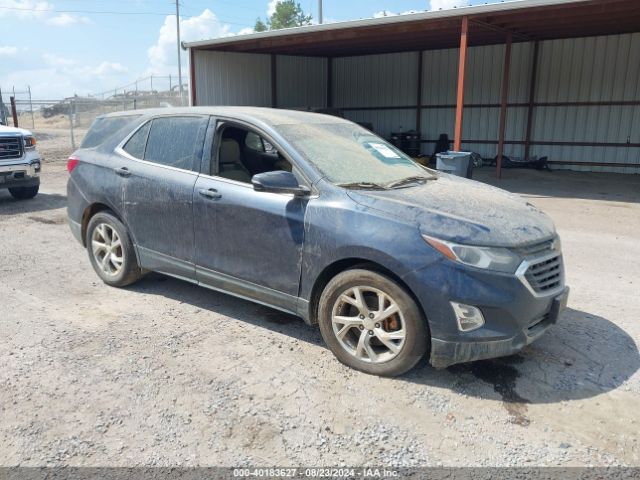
(468, 317)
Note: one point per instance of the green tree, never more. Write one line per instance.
(288, 14)
(260, 26)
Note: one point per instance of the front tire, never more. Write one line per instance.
(372, 324)
(24, 193)
(111, 252)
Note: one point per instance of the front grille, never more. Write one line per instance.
(545, 275)
(10, 147)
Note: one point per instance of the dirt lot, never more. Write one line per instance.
(165, 373)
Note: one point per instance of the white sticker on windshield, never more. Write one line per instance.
(384, 150)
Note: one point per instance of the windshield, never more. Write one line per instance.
(348, 154)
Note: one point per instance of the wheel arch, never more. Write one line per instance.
(337, 267)
(90, 211)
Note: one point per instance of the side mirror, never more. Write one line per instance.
(279, 182)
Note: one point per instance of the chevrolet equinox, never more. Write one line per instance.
(318, 217)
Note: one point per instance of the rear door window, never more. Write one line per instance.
(136, 144)
(176, 141)
(103, 128)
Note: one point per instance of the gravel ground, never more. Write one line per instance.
(164, 373)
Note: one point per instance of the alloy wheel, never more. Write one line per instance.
(368, 324)
(107, 249)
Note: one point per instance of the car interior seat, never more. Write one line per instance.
(230, 162)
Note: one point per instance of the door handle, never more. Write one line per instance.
(123, 172)
(212, 193)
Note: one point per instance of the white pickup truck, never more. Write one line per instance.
(19, 163)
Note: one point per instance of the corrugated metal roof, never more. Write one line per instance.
(527, 19)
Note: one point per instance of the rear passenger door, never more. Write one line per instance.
(158, 198)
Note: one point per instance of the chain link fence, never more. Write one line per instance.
(72, 116)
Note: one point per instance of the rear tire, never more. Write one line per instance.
(24, 193)
(372, 324)
(111, 251)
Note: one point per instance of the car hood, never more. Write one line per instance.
(462, 211)
(13, 131)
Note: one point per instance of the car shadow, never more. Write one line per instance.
(227, 305)
(583, 356)
(42, 202)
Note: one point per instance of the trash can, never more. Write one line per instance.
(455, 163)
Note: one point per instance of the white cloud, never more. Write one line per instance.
(448, 4)
(61, 77)
(38, 10)
(66, 20)
(384, 13)
(106, 68)
(25, 9)
(54, 60)
(271, 8)
(7, 51)
(246, 31)
(163, 55)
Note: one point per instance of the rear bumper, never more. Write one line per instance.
(445, 353)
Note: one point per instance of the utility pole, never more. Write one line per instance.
(320, 12)
(179, 49)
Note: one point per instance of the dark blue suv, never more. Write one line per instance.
(316, 216)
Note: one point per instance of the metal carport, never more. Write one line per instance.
(556, 78)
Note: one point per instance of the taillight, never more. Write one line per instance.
(72, 163)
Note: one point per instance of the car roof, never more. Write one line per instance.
(269, 116)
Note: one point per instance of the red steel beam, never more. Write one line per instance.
(462, 62)
(329, 82)
(14, 111)
(503, 103)
(532, 97)
(419, 94)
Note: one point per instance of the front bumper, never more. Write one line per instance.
(514, 317)
(445, 353)
(19, 174)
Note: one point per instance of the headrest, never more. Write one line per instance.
(229, 151)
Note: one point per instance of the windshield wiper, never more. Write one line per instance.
(406, 181)
(363, 186)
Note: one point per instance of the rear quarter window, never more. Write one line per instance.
(136, 144)
(103, 128)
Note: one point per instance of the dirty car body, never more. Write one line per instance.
(483, 267)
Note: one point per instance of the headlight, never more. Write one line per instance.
(488, 258)
(29, 142)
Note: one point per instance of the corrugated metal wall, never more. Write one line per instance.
(302, 82)
(232, 79)
(595, 69)
(224, 78)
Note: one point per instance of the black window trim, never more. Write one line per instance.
(194, 170)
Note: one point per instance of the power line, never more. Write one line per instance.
(98, 12)
(108, 12)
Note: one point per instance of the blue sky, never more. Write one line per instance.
(59, 48)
